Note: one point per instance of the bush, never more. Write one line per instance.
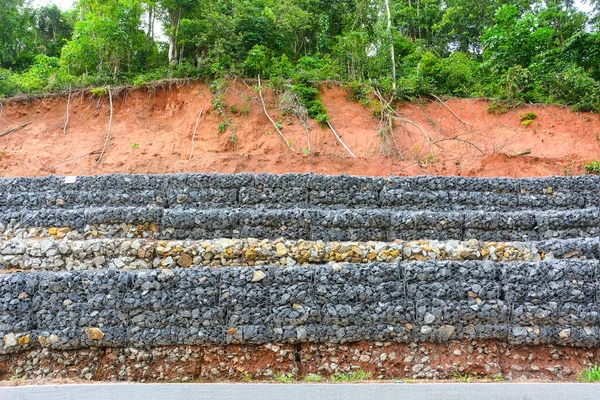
(9, 86)
(592, 167)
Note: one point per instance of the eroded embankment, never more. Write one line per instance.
(189, 277)
(152, 131)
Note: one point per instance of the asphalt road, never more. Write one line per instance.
(391, 391)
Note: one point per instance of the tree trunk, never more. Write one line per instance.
(149, 22)
(391, 39)
(173, 36)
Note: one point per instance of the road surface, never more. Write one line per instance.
(258, 391)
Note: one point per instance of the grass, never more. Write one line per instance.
(353, 376)
(313, 378)
(592, 167)
(591, 374)
(285, 378)
(247, 377)
(462, 377)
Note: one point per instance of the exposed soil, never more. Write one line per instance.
(152, 133)
(459, 360)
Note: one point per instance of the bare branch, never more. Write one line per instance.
(68, 107)
(195, 129)
(449, 109)
(459, 140)
(271, 119)
(108, 133)
(339, 139)
(15, 129)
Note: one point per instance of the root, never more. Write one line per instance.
(460, 140)
(195, 129)
(386, 122)
(289, 103)
(339, 139)
(15, 129)
(408, 121)
(97, 151)
(108, 133)
(288, 144)
(449, 109)
(67, 116)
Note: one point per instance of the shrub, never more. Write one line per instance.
(592, 168)
(591, 374)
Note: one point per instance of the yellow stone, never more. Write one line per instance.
(153, 227)
(62, 232)
(281, 250)
(372, 255)
(232, 331)
(23, 340)
(52, 231)
(94, 333)
(251, 254)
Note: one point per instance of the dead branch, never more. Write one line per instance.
(520, 153)
(67, 117)
(15, 129)
(449, 109)
(459, 140)
(339, 138)
(195, 129)
(271, 119)
(97, 151)
(408, 121)
(108, 133)
(386, 114)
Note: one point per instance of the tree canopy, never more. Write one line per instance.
(519, 50)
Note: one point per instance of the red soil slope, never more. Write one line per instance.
(152, 133)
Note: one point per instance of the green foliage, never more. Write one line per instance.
(247, 377)
(462, 377)
(359, 92)
(592, 168)
(497, 107)
(528, 118)
(99, 91)
(285, 378)
(223, 125)
(313, 378)
(352, 376)
(135, 146)
(512, 50)
(591, 374)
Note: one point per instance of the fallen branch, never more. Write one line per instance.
(194, 134)
(108, 133)
(339, 138)
(15, 129)
(449, 109)
(67, 117)
(386, 114)
(408, 121)
(460, 140)
(97, 151)
(262, 100)
(520, 153)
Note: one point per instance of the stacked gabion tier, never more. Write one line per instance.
(195, 259)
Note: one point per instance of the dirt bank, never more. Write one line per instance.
(152, 133)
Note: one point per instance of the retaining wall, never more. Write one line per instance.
(544, 302)
(302, 191)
